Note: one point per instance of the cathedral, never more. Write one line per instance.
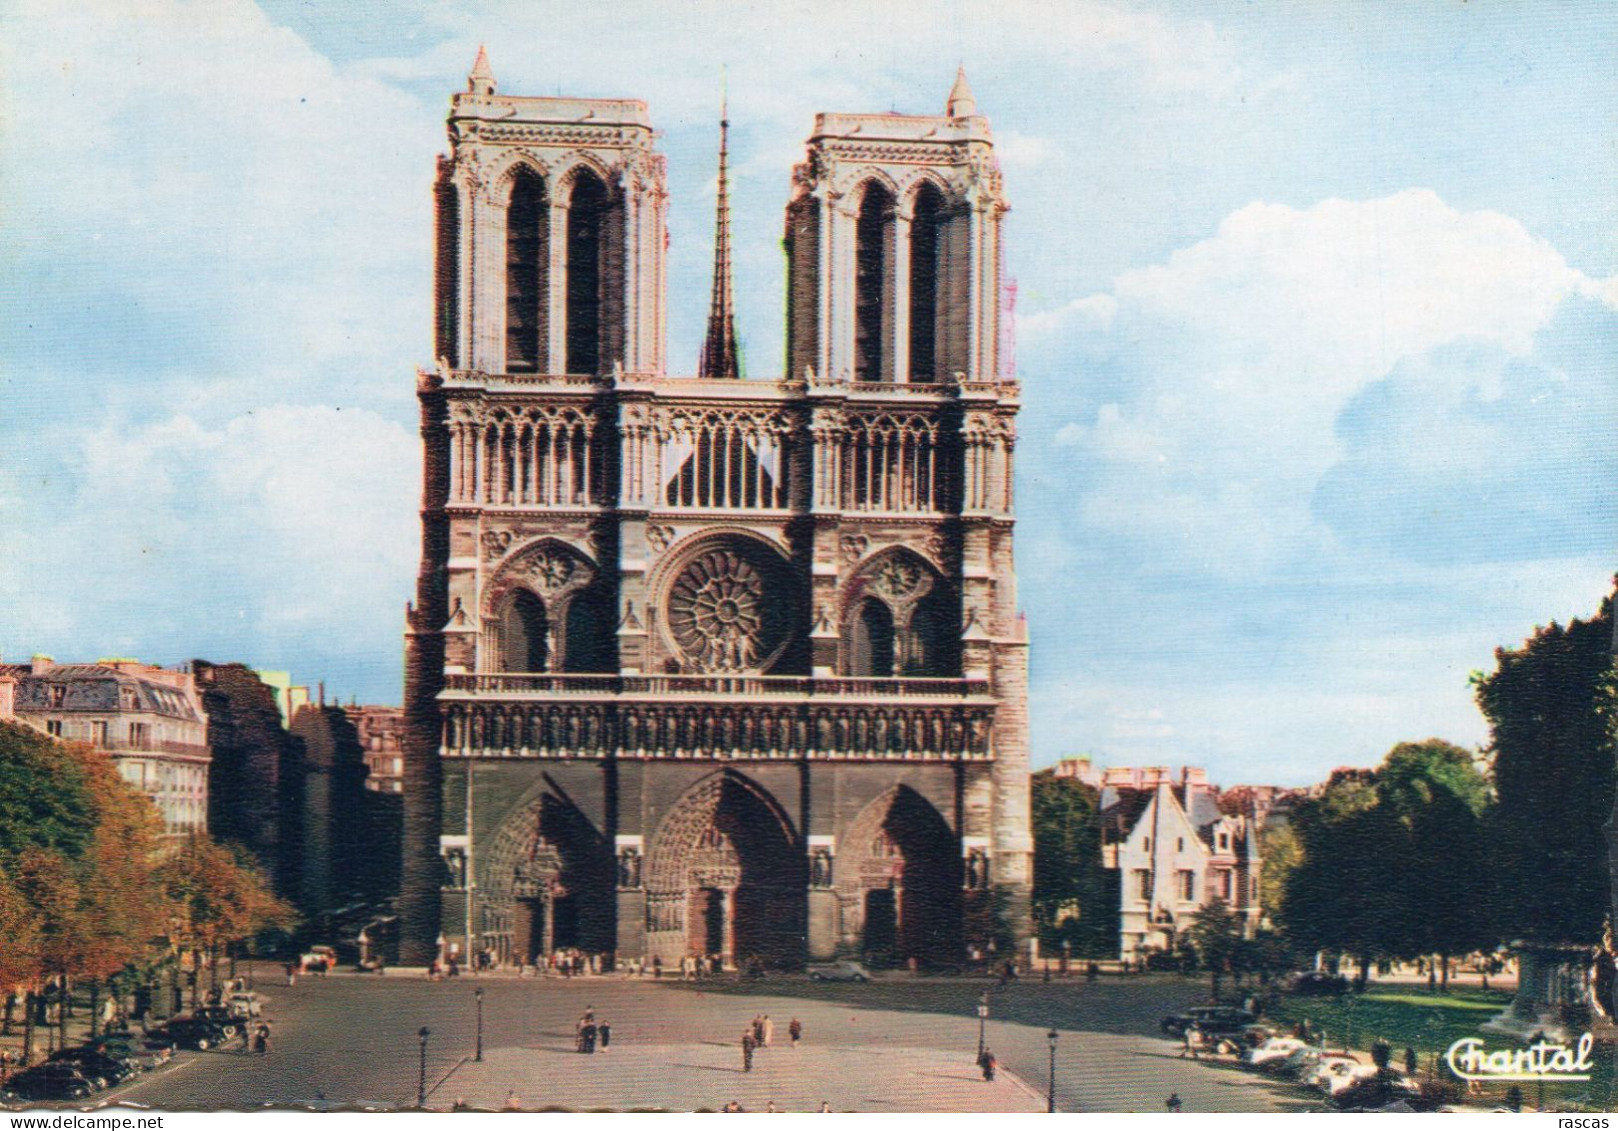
(701, 664)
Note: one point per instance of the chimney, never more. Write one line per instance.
(8, 698)
(41, 664)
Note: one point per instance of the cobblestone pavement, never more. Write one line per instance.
(894, 1045)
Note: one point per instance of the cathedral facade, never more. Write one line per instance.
(702, 664)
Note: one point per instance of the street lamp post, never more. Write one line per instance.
(983, 1018)
(421, 1078)
(1067, 956)
(1050, 1092)
(478, 993)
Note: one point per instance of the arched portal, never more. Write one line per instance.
(899, 881)
(727, 876)
(546, 883)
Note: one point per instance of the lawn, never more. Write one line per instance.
(1428, 1022)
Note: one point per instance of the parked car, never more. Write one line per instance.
(1336, 1071)
(98, 1067)
(244, 1005)
(318, 960)
(1377, 1091)
(222, 1016)
(53, 1080)
(1276, 1048)
(192, 1033)
(1293, 1066)
(1319, 983)
(1213, 1020)
(838, 972)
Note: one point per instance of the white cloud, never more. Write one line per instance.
(283, 521)
(1237, 356)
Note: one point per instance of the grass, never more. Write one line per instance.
(1429, 1022)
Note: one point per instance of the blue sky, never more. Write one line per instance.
(1318, 317)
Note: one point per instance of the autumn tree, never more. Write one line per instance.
(214, 897)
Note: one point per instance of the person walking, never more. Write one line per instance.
(589, 1035)
(758, 1029)
(989, 1066)
(767, 1031)
(795, 1031)
(657, 966)
(292, 973)
(747, 1050)
(261, 1040)
(825, 1105)
(605, 1031)
(1173, 1103)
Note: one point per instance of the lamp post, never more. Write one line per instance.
(983, 1018)
(1067, 956)
(421, 1078)
(478, 993)
(1050, 1092)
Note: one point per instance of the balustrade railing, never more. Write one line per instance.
(730, 686)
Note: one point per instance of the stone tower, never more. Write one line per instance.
(701, 664)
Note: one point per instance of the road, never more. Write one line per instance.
(901, 1044)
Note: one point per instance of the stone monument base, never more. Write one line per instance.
(1555, 995)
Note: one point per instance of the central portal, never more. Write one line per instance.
(727, 878)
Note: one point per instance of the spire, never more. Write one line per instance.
(481, 80)
(961, 104)
(719, 354)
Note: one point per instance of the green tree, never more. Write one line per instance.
(1216, 935)
(1075, 899)
(1281, 853)
(1440, 796)
(1552, 707)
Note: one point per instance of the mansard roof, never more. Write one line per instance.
(96, 688)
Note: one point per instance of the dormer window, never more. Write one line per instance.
(58, 695)
(126, 698)
(1224, 842)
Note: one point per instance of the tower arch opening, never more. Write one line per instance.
(926, 234)
(586, 253)
(873, 282)
(527, 227)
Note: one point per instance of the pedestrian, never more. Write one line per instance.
(589, 1035)
(989, 1065)
(767, 1031)
(261, 1042)
(1410, 1061)
(657, 966)
(292, 973)
(1173, 1103)
(747, 1051)
(795, 1031)
(605, 1031)
(769, 1107)
(1191, 1042)
(758, 1029)
(825, 1105)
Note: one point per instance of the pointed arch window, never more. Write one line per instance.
(586, 230)
(526, 225)
(873, 641)
(523, 644)
(871, 282)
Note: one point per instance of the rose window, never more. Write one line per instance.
(716, 612)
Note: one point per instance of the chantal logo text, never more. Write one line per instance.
(1542, 1060)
